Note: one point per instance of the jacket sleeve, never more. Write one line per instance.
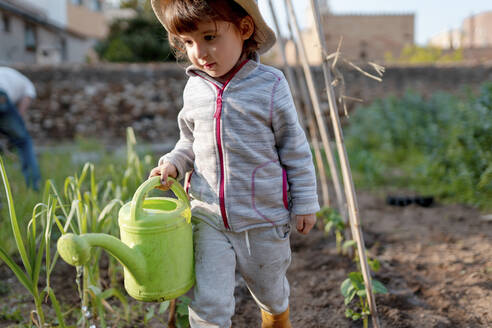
(182, 156)
(294, 151)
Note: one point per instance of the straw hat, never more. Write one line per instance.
(263, 35)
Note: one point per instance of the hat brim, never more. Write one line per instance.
(264, 36)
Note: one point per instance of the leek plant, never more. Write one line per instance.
(86, 203)
(87, 199)
(89, 215)
(31, 248)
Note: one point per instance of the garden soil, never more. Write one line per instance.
(436, 263)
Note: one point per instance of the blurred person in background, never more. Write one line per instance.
(16, 95)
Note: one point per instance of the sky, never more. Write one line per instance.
(431, 16)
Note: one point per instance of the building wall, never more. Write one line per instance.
(477, 30)
(365, 37)
(79, 51)
(52, 46)
(13, 47)
(84, 20)
(55, 10)
(451, 39)
(369, 37)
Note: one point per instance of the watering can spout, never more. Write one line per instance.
(75, 250)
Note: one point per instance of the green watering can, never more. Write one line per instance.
(156, 247)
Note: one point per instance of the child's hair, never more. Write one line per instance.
(181, 16)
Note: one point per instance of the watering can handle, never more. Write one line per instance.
(148, 185)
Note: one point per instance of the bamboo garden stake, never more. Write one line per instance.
(312, 127)
(317, 110)
(312, 130)
(288, 70)
(342, 208)
(345, 167)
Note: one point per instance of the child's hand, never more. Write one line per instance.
(164, 170)
(305, 223)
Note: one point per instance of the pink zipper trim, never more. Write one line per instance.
(218, 112)
(284, 189)
(188, 182)
(218, 137)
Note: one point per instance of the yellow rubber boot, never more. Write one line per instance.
(281, 320)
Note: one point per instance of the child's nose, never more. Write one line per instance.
(200, 51)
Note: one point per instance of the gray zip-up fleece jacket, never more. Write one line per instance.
(251, 161)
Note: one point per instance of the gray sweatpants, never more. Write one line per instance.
(261, 256)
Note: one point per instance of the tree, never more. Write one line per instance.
(138, 39)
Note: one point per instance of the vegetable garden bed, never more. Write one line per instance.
(436, 263)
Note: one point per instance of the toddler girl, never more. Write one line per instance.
(250, 161)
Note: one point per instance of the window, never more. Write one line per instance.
(63, 49)
(30, 40)
(77, 2)
(5, 23)
(363, 50)
(95, 5)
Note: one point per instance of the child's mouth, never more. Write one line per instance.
(209, 66)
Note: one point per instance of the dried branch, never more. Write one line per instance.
(353, 98)
(378, 68)
(362, 71)
(338, 52)
(338, 79)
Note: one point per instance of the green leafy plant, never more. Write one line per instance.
(182, 320)
(10, 313)
(413, 54)
(151, 312)
(373, 263)
(438, 146)
(137, 39)
(354, 286)
(333, 221)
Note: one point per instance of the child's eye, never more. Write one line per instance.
(209, 37)
(188, 42)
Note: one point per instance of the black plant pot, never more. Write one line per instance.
(398, 200)
(424, 201)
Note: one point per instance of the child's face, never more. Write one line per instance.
(216, 47)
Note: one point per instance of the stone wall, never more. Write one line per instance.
(101, 101)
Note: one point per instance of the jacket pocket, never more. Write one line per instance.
(269, 190)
